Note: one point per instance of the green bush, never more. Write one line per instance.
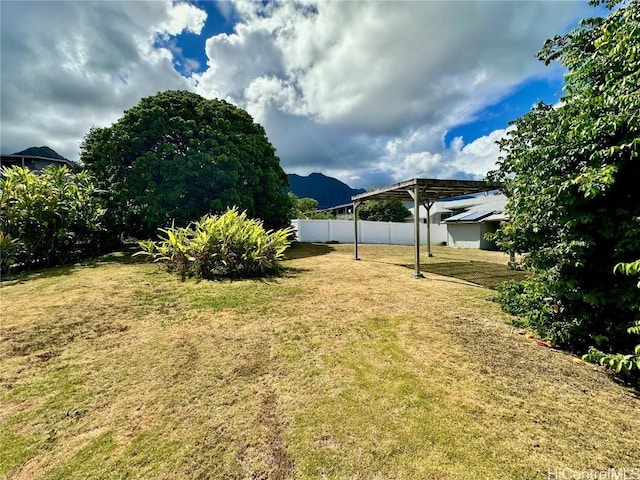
(229, 245)
(570, 172)
(48, 218)
(383, 211)
(629, 363)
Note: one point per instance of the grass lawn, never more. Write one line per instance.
(339, 370)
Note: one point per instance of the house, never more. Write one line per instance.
(32, 162)
(341, 212)
(466, 219)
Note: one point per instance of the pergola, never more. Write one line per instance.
(423, 191)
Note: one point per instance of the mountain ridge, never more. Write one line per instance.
(328, 191)
(43, 151)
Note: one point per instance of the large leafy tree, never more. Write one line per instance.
(383, 211)
(176, 156)
(573, 177)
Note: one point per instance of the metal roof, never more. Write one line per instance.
(497, 217)
(430, 189)
(469, 216)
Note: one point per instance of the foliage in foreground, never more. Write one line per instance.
(176, 156)
(571, 174)
(48, 218)
(229, 245)
(620, 362)
(383, 211)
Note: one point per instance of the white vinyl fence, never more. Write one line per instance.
(324, 231)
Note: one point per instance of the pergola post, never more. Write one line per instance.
(427, 205)
(356, 204)
(416, 227)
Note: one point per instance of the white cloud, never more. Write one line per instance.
(183, 17)
(69, 65)
(365, 91)
(459, 160)
(377, 85)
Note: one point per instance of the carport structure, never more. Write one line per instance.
(423, 191)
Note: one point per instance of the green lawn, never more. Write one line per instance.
(338, 369)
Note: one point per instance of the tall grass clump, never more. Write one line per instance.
(228, 245)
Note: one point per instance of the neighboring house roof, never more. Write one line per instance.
(342, 206)
(469, 216)
(497, 217)
(29, 160)
(481, 202)
(483, 208)
(477, 217)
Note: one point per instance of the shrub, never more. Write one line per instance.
(48, 218)
(228, 245)
(571, 172)
(621, 363)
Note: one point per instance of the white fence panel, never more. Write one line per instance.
(438, 233)
(375, 232)
(313, 231)
(402, 234)
(341, 231)
(368, 232)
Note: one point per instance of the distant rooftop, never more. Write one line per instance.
(33, 162)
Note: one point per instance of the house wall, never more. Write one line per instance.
(368, 232)
(488, 227)
(32, 163)
(464, 235)
(471, 235)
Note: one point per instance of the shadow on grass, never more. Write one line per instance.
(123, 256)
(306, 250)
(485, 274)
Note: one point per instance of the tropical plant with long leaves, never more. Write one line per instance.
(227, 245)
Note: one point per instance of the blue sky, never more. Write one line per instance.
(513, 105)
(369, 92)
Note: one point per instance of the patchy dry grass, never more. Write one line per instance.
(339, 369)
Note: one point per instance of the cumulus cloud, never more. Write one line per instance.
(465, 161)
(377, 85)
(365, 91)
(69, 65)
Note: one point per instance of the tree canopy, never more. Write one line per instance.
(572, 174)
(307, 208)
(177, 156)
(303, 205)
(383, 211)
